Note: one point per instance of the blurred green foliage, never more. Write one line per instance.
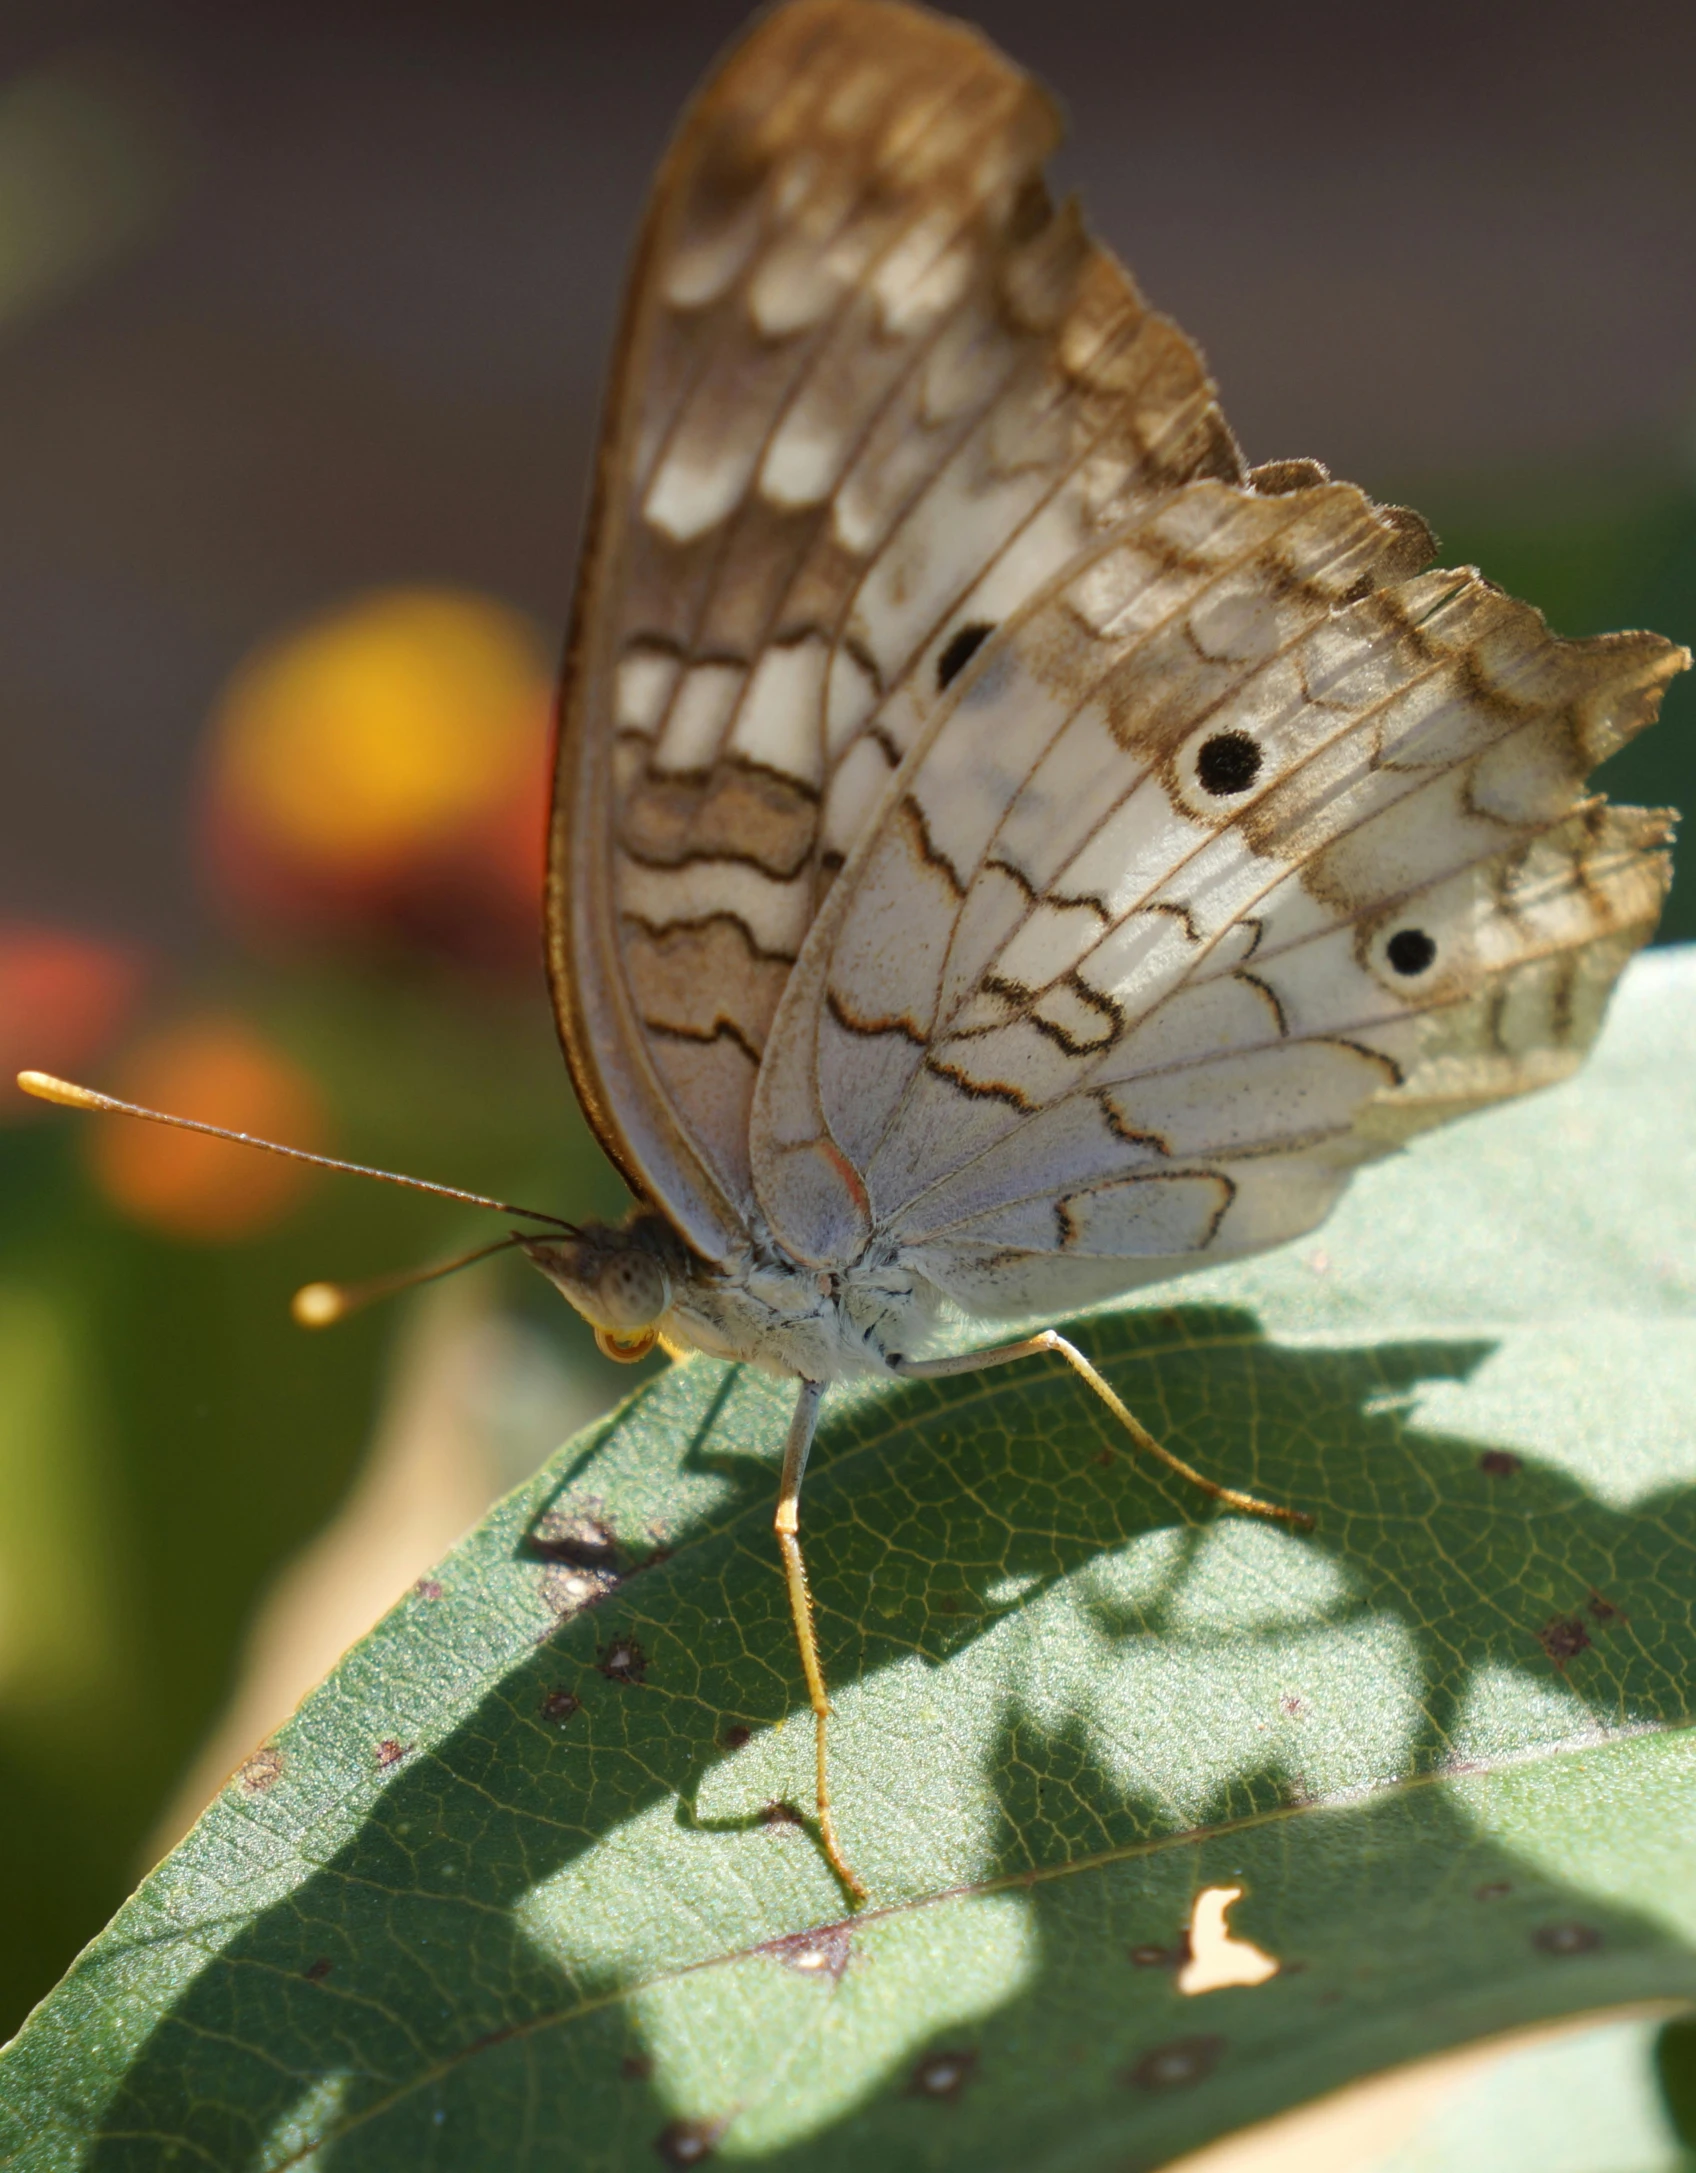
(168, 1437)
(1595, 558)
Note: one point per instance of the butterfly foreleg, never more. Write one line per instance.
(936, 1369)
(801, 1430)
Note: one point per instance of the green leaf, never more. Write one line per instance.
(1675, 2068)
(491, 1901)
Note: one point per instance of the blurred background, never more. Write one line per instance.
(302, 316)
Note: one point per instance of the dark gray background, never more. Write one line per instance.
(364, 343)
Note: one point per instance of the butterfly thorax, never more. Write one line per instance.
(637, 1282)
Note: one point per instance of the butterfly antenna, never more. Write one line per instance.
(321, 1305)
(46, 1088)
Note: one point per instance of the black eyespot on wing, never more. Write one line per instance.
(1410, 950)
(961, 649)
(1228, 762)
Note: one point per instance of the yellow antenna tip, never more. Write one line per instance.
(46, 1088)
(317, 1305)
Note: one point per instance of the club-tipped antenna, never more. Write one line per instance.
(321, 1305)
(46, 1088)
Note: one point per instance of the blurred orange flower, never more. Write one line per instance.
(223, 1072)
(383, 771)
(63, 999)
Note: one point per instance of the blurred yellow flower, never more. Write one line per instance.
(380, 775)
(383, 727)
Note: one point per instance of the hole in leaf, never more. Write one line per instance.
(1217, 1958)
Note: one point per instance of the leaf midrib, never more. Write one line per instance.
(971, 1890)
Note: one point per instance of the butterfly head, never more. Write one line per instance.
(620, 1280)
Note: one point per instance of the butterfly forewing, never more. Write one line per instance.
(872, 392)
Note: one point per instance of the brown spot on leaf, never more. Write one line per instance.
(574, 1536)
(559, 1705)
(1175, 2066)
(1563, 1638)
(941, 2076)
(1565, 1939)
(390, 1753)
(736, 1735)
(567, 1590)
(1492, 1890)
(1501, 1463)
(1603, 1609)
(688, 2142)
(781, 1814)
(1291, 1707)
(823, 1953)
(1106, 1456)
(635, 2067)
(1152, 1957)
(317, 1971)
(261, 1770)
(582, 1558)
(623, 1661)
(428, 1589)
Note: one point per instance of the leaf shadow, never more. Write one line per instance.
(400, 1971)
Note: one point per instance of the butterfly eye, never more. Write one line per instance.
(1410, 950)
(1229, 762)
(961, 649)
(634, 1291)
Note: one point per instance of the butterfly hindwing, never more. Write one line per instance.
(1241, 854)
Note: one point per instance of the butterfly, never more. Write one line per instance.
(1006, 850)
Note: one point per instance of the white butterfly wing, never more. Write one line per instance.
(872, 392)
(1235, 856)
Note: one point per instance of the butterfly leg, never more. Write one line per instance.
(801, 1430)
(936, 1369)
